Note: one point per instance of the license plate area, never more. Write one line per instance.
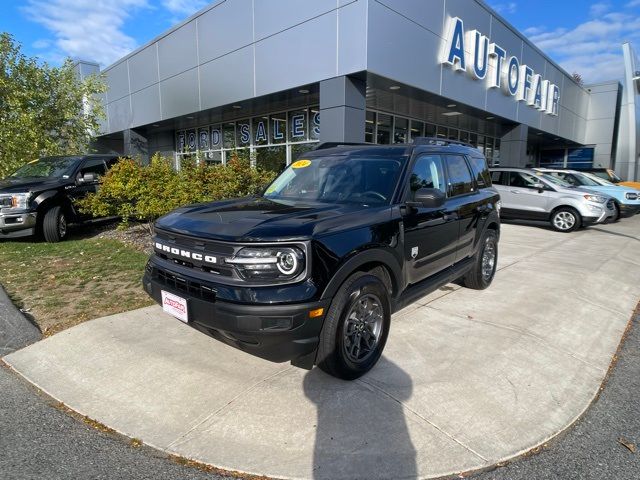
(175, 306)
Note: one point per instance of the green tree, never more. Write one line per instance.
(44, 110)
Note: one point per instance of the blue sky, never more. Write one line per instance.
(582, 36)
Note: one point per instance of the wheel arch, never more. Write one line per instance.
(365, 262)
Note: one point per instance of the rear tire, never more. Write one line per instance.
(54, 225)
(485, 263)
(565, 220)
(356, 327)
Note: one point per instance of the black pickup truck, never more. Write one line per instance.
(39, 198)
(311, 270)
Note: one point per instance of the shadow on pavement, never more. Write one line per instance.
(360, 429)
(617, 234)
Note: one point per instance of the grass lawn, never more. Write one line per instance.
(63, 284)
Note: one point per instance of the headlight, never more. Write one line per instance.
(499, 206)
(269, 263)
(631, 196)
(595, 198)
(17, 200)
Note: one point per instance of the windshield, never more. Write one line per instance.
(338, 179)
(614, 176)
(554, 180)
(600, 181)
(50, 167)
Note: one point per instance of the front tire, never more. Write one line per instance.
(565, 220)
(54, 225)
(356, 327)
(616, 215)
(485, 263)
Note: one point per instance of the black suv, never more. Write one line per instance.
(311, 270)
(40, 196)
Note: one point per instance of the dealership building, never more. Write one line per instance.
(273, 78)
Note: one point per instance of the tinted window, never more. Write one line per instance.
(480, 171)
(460, 181)
(524, 180)
(498, 178)
(427, 173)
(96, 167)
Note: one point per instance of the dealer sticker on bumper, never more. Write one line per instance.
(175, 305)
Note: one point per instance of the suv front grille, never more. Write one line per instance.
(179, 284)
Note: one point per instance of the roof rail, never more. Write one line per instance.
(325, 145)
(438, 141)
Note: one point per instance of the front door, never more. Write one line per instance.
(430, 234)
(98, 168)
(526, 197)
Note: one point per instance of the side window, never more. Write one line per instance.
(499, 178)
(460, 180)
(111, 162)
(96, 167)
(427, 173)
(480, 171)
(523, 180)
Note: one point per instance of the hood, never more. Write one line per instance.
(30, 184)
(260, 219)
(613, 190)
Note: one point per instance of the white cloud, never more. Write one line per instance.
(506, 7)
(86, 29)
(599, 8)
(183, 7)
(633, 3)
(593, 48)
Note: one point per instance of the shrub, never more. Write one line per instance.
(144, 193)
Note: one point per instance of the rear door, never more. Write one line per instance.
(430, 234)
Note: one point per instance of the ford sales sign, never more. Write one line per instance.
(472, 52)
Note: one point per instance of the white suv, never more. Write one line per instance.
(530, 195)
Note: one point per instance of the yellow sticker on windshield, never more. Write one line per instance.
(301, 164)
(33, 161)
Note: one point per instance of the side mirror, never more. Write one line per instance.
(428, 198)
(88, 178)
(539, 187)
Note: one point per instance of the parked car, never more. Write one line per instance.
(40, 196)
(609, 175)
(627, 199)
(530, 195)
(312, 270)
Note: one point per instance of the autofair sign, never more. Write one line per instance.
(486, 61)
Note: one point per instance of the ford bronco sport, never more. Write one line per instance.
(311, 270)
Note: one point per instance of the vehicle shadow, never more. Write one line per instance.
(617, 234)
(361, 431)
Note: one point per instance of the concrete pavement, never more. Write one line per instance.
(468, 379)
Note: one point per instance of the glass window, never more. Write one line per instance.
(524, 180)
(384, 129)
(464, 136)
(499, 178)
(580, 158)
(496, 153)
(243, 133)
(97, 167)
(480, 144)
(273, 159)
(213, 157)
(261, 130)
(429, 130)
(314, 123)
(480, 171)
(370, 127)
(552, 158)
(339, 179)
(427, 173)
(181, 142)
(453, 134)
(473, 139)
(192, 143)
(203, 139)
(278, 126)
(298, 149)
(298, 126)
(401, 130)
(216, 137)
(229, 135)
(417, 129)
(460, 181)
(441, 132)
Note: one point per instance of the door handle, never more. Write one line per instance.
(449, 216)
(515, 191)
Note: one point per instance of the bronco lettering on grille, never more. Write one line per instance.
(199, 257)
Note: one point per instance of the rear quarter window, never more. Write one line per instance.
(480, 171)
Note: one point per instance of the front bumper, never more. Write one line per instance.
(275, 332)
(14, 225)
(627, 210)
